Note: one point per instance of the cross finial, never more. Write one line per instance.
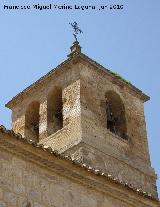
(76, 29)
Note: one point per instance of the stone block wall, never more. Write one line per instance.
(127, 159)
(94, 84)
(25, 183)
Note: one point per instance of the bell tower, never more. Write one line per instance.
(91, 114)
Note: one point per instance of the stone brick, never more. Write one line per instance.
(2, 204)
(19, 188)
(10, 198)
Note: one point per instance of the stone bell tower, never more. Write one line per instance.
(85, 111)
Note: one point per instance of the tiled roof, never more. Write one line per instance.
(79, 163)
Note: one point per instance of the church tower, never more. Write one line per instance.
(84, 111)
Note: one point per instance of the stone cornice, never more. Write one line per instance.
(79, 172)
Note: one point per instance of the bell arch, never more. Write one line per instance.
(54, 111)
(115, 114)
(32, 121)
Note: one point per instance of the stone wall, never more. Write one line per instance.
(127, 159)
(26, 181)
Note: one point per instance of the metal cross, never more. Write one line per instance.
(76, 29)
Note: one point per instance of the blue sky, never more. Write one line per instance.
(32, 42)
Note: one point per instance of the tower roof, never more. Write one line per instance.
(77, 55)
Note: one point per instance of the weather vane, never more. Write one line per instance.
(76, 29)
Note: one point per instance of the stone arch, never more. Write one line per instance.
(115, 114)
(32, 121)
(54, 111)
